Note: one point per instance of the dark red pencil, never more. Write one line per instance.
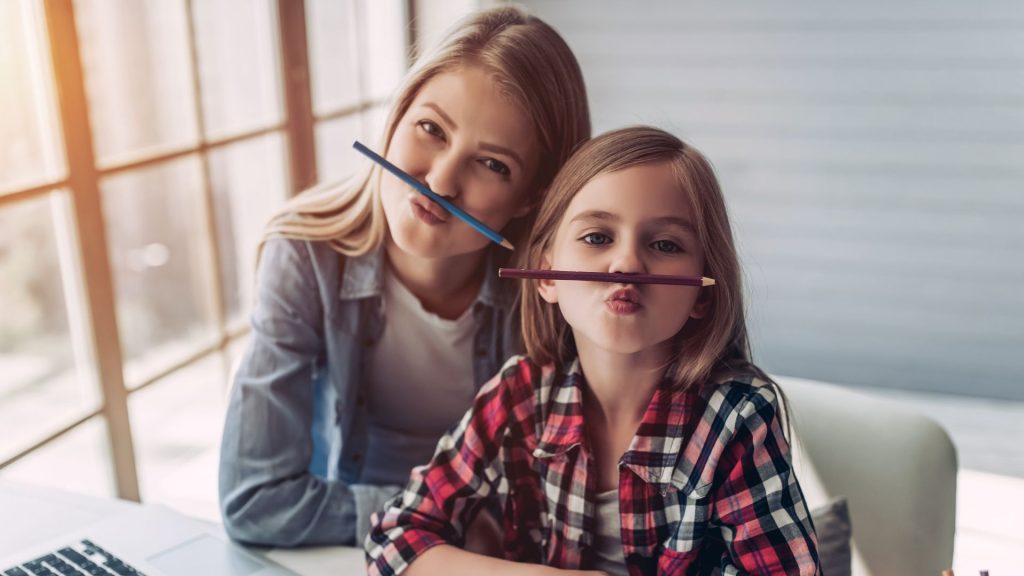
(614, 277)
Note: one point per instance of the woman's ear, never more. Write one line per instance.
(530, 202)
(525, 209)
(546, 288)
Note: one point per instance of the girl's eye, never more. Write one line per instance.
(666, 246)
(496, 166)
(431, 128)
(596, 239)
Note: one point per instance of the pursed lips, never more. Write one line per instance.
(430, 206)
(630, 295)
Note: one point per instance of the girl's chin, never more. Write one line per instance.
(624, 344)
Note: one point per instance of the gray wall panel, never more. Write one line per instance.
(873, 157)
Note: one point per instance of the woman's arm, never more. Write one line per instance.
(757, 504)
(267, 494)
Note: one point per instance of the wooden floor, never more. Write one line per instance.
(989, 437)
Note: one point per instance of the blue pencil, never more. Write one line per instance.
(480, 226)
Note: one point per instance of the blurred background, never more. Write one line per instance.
(872, 155)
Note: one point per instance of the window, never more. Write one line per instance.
(131, 208)
(357, 53)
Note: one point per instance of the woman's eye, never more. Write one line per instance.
(666, 246)
(496, 166)
(596, 239)
(431, 128)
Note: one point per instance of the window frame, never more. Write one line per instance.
(81, 183)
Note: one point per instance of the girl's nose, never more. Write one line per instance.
(443, 175)
(626, 259)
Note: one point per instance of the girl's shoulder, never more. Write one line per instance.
(525, 385)
(718, 414)
(521, 376)
(740, 393)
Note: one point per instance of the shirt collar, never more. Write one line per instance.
(364, 277)
(654, 450)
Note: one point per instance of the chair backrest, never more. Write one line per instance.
(896, 468)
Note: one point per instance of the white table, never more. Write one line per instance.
(29, 520)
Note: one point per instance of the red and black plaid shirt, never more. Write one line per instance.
(706, 487)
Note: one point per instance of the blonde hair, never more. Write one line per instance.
(531, 64)
(707, 349)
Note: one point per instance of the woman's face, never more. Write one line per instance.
(467, 142)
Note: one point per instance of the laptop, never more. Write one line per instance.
(49, 532)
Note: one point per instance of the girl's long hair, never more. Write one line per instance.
(531, 64)
(707, 349)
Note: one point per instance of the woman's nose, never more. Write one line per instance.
(443, 175)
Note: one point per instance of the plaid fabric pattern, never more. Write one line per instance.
(706, 486)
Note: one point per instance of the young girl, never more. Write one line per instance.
(378, 315)
(636, 436)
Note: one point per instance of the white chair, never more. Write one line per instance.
(896, 468)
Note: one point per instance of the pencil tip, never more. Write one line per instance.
(707, 281)
(505, 243)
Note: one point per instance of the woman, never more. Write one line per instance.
(377, 313)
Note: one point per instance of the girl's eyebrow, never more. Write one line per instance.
(595, 215)
(483, 145)
(676, 221)
(660, 221)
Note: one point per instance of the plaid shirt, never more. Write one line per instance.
(706, 487)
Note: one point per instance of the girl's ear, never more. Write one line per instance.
(701, 306)
(546, 288)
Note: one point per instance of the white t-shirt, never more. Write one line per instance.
(608, 535)
(420, 381)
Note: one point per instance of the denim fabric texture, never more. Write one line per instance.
(296, 430)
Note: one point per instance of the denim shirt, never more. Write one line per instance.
(296, 429)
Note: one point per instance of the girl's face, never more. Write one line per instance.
(465, 140)
(634, 220)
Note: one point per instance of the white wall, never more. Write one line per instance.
(432, 18)
(873, 157)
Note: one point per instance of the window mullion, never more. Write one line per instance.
(83, 180)
(215, 300)
(295, 78)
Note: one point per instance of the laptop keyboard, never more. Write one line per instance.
(81, 558)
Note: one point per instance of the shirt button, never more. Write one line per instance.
(360, 400)
(367, 342)
(481, 353)
(356, 457)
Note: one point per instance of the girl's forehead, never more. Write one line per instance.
(646, 191)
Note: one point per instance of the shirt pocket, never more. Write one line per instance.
(675, 562)
(687, 513)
